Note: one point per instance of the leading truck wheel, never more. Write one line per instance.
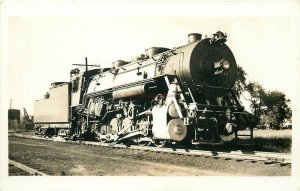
(177, 130)
(229, 136)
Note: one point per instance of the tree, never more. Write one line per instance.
(240, 82)
(271, 103)
(278, 108)
(257, 93)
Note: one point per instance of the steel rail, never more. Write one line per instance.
(267, 157)
(27, 168)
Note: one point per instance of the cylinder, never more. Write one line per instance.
(194, 37)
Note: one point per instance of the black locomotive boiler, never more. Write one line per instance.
(180, 95)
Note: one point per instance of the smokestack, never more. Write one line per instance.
(193, 37)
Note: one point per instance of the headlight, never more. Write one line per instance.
(225, 64)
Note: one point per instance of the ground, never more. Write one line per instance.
(57, 158)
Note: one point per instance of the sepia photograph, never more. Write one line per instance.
(153, 93)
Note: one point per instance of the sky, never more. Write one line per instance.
(42, 48)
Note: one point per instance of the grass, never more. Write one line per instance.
(272, 140)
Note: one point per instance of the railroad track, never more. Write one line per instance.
(19, 169)
(238, 155)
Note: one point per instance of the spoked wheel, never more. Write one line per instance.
(160, 143)
(102, 140)
(102, 134)
(144, 143)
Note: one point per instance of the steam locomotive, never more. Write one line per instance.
(179, 95)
